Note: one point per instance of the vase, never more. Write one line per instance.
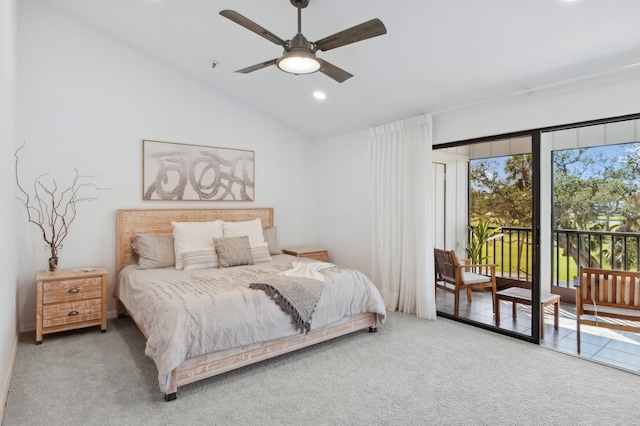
(53, 263)
(53, 260)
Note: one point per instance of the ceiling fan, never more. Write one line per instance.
(299, 55)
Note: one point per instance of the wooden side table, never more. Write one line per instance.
(315, 253)
(69, 299)
(517, 295)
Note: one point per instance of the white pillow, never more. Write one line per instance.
(194, 235)
(260, 253)
(251, 228)
(200, 259)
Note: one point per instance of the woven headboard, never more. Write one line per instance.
(131, 222)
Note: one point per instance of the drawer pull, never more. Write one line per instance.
(73, 313)
(74, 290)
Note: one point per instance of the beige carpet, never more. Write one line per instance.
(412, 372)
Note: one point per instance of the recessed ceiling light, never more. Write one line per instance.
(319, 95)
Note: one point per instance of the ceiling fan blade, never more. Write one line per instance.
(257, 67)
(252, 26)
(372, 28)
(338, 74)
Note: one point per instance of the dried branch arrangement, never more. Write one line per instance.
(53, 209)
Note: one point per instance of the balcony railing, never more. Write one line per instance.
(513, 253)
(595, 249)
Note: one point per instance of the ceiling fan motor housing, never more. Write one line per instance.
(299, 42)
(301, 3)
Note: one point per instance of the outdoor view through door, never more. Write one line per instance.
(594, 196)
(596, 211)
(494, 233)
(540, 207)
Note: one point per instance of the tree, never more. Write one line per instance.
(504, 195)
(592, 191)
(597, 192)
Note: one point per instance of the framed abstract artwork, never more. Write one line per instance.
(175, 171)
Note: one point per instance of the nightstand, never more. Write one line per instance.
(69, 299)
(309, 252)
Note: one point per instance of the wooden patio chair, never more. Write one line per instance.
(454, 277)
(608, 298)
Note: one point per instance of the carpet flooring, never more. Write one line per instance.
(412, 372)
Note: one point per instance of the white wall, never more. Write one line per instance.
(452, 228)
(87, 101)
(8, 260)
(588, 100)
(344, 192)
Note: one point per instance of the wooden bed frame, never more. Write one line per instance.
(131, 222)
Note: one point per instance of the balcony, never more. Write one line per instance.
(617, 348)
(512, 252)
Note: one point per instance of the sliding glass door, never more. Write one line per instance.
(539, 205)
(486, 214)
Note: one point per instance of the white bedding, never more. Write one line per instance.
(190, 313)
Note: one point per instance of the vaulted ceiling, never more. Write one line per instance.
(436, 56)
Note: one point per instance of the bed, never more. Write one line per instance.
(165, 301)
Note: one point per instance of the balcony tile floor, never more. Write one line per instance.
(619, 349)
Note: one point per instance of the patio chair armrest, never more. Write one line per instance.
(489, 269)
(483, 265)
(467, 262)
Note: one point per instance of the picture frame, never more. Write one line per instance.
(185, 172)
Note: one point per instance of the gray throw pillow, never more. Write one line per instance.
(233, 251)
(153, 250)
(271, 237)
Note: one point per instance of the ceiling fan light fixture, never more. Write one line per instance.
(299, 62)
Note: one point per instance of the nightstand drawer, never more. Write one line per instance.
(72, 289)
(71, 312)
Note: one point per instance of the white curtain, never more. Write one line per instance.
(401, 234)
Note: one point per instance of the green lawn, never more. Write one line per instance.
(509, 264)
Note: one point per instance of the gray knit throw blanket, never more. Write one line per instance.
(296, 296)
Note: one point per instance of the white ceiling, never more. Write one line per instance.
(437, 55)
